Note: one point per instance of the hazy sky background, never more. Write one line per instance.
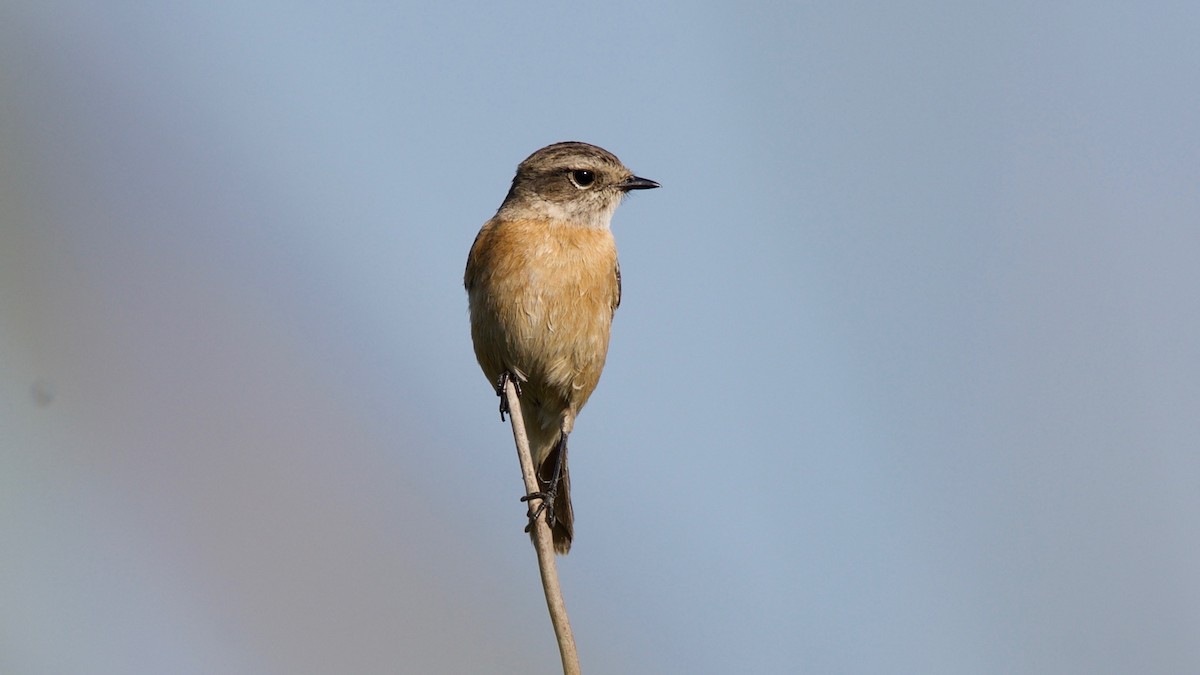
(905, 379)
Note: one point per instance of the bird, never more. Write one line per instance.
(543, 283)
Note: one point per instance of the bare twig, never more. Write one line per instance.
(542, 542)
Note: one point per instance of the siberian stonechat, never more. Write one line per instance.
(543, 283)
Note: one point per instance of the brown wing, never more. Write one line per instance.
(617, 297)
(471, 275)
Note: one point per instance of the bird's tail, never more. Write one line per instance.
(547, 443)
(563, 526)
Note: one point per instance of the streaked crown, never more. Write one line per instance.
(571, 182)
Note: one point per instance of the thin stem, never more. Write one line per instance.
(542, 541)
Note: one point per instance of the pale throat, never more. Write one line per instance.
(595, 214)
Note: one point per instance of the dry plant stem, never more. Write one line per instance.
(542, 541)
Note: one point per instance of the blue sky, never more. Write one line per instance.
(904, 378)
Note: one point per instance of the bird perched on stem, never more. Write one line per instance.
(543, 283)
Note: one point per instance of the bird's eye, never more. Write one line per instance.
(583, 178)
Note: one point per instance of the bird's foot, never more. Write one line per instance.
(546, 503)
(501, 384)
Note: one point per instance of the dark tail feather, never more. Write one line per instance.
(563, 527)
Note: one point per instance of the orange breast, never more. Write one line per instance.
(542, 298)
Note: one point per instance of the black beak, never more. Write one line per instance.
(636, 183)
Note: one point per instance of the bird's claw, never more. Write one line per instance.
(501, 383)
(546, 504)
